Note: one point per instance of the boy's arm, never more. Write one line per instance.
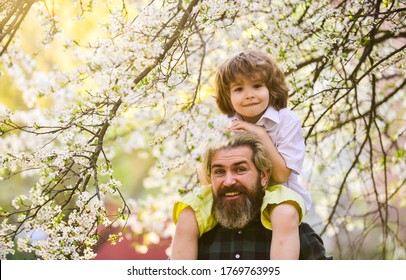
(280, 172)
(185, 240)
(285, 232)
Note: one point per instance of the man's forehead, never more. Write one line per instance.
(232, 155)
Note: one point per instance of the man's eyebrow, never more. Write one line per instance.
(219, 165)
(240, 163)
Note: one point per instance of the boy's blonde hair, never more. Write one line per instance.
(260, 155)
(255, 65)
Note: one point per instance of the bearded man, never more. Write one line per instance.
(239, 173)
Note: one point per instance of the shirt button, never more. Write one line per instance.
(237, 256)
(239, 232)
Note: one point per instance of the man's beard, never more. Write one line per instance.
(237, 213)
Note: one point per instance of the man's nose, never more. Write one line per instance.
(229, 179)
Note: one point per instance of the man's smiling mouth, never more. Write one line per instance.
(231, 193)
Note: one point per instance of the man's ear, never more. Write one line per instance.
(265, 177)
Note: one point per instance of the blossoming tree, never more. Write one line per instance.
(144, 83)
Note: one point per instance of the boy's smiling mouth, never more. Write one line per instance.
(250, 104)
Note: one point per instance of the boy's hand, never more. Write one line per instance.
(238, 125)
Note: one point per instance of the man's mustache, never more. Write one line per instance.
(233, 188)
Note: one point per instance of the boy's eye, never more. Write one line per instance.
(258, 85)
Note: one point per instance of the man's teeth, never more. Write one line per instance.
(232, 193)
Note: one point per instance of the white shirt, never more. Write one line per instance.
(285, 130)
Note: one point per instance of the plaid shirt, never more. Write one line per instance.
(253, 243)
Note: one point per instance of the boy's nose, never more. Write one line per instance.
(249, 94)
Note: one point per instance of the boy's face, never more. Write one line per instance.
(249, 97)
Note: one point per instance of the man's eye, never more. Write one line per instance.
(218, 171)
(240, 169)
